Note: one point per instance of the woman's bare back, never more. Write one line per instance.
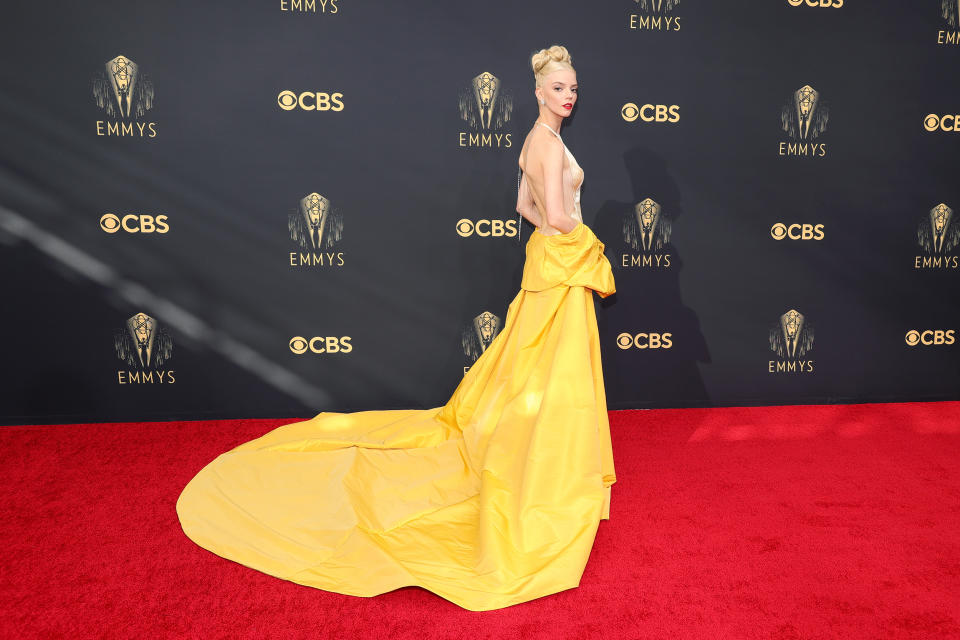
(540, 142)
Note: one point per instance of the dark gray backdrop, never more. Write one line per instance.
(228, 165)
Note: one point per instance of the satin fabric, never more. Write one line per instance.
(490, 500)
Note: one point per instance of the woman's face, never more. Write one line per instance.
(559, 91)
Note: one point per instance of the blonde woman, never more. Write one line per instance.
(549, 191)
(490, 500)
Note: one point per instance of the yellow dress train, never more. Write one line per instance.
(490, 500)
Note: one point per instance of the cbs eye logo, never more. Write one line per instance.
(836, 4)
(930, 337)
(486, 228)
(780, 231)
(944, 123)
(645, 340)
(321, 344)
(650, 112)
(132, 223)
(310, 101)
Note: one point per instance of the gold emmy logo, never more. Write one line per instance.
(647, 231)
(315, 226)
(479, 335)
(486, 106)
(804, 118)
(792, 337)
(144, 346)
(938, 233)
(141, 343)
(654, 15)
(124, 92)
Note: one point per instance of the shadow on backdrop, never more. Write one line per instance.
(648, 370)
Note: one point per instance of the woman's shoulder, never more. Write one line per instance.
(542, 143)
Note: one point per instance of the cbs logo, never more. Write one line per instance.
(645, 340)
(134, 223)
(836, 4)
(780, 231)
(930, 337)
(945, 123)
(486, 228)
(329, 344)
(310, 101)
(651, 112)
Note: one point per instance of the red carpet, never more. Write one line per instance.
(774, 522)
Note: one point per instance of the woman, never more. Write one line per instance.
(556, 176)
(490, 500)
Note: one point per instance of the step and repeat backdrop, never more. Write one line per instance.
(282, 207)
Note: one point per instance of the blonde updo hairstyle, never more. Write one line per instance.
(546, 61)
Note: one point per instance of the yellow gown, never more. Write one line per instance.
(490, 500)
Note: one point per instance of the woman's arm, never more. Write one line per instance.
(526, 205)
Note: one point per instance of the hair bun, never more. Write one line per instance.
(556, 53)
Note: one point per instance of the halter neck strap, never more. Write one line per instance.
(550, 129)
